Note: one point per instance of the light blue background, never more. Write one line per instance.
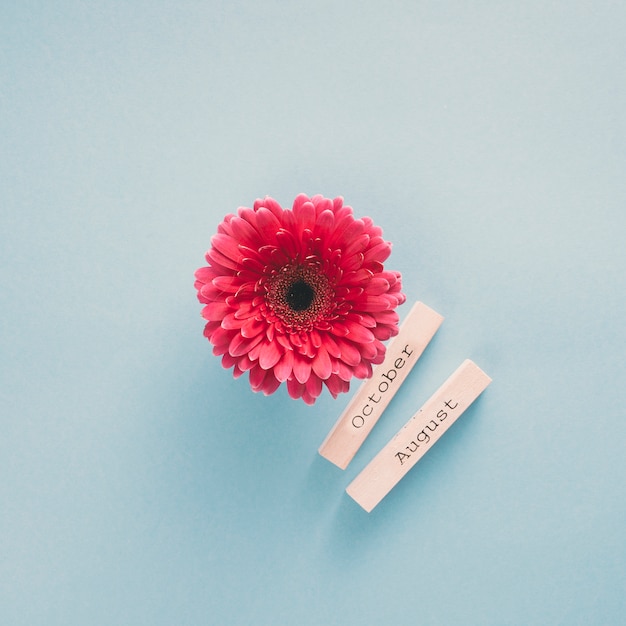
(141, 484)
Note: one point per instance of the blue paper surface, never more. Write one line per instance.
(141, 483)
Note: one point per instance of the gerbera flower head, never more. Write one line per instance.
(299, 296)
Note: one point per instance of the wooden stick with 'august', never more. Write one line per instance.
(418, 435)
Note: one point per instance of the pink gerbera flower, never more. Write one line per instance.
(299, 296)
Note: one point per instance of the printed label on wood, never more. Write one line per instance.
(418, 435)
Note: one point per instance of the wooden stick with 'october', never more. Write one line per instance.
(372, 398)
(418, 435)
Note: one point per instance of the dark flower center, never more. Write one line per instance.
(300, 296)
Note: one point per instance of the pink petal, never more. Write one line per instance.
(376, 266)
(209, 328)
(284, 367)
(343, 219)
(316, 339)
(215, 311)
(243, 309)
(227, 246)
(358, 333)
(301, 369)
(339, 330)
(245, 364)
(324, 226)
(336, 385)
(377, 286)
(247, 289)
(252, 327)
(349, 352)
(322, 365)
(296, 340)
(254, 352)
(304, 212)
(270, 383)
(352, 230)
(295, 388)
(271, 204)
(379, 358)
(384, 332)
(300, 199)
(220, 262)
(247, 214)
(267, 225)
(261, 380)
(221, 338)
(269, 355)
(228, 361)
(358, 244)
(363, 370)
(244, 232)
(386, 317)
(331, 346)
(368, 351)
(227, 283)
(278, 257)
(375, 232)
(308, 398)
(252, 264)
(378, 253)
(287, 243)
(362, 274)
(353, 262)
(321, 204)
(230, 322)
(372, 304)
(204, 274)
(257, 376)
(240, 345)
(314, 386)
(248, 252)
(344, 371)
(284, 342)
(209, 293)
(364, 319)
(307, 347)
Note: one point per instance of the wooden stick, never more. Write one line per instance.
(418, 435)
(372, 398)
